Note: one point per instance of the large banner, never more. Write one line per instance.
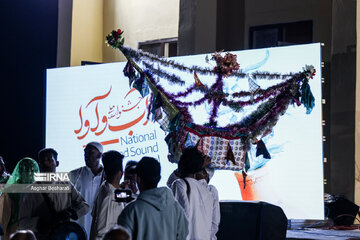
(96, 103)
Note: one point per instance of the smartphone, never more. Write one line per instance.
(123, 195)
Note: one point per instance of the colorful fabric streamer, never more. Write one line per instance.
(307, 98)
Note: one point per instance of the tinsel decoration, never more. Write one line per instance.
(225, 65)
(173, 113)
(169, 109)
(141, 57)
(236, 107)
(163, 74)
(267, 132)
(129, 72)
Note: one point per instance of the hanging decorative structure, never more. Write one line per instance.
(226, 146)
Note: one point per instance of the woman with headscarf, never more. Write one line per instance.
(9, 202)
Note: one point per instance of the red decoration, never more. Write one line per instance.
(313, 73)
(197, 81)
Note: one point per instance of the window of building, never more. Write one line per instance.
(163, 47)
(280, 34)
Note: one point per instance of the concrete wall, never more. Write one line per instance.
(197, 26)
(141, 20)
(230, 23)
(211, 25)
(64, 33)
(333, 24)
(260, 12)
(87, 38)
(342, 98)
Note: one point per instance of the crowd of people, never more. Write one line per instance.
(186, 209)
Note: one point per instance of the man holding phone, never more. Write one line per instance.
(129, 182)
(106, 208)
(155, 214)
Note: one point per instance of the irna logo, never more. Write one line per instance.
(52, 177)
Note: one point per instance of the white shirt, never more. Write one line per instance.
(88, 185)
(105, 211)
(171, 179)
(216, 212)
(198, 207)
(32, 206)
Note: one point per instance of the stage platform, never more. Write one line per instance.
(313, 229)
(326, 234)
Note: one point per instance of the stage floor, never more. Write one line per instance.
(317, 233)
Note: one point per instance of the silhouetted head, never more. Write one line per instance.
(48, 160)
(191, 161)
(148, 173)
(113, 164)
(92, 154)
(117, 233)
(130, 170)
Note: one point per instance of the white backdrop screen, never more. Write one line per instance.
(96, 103)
